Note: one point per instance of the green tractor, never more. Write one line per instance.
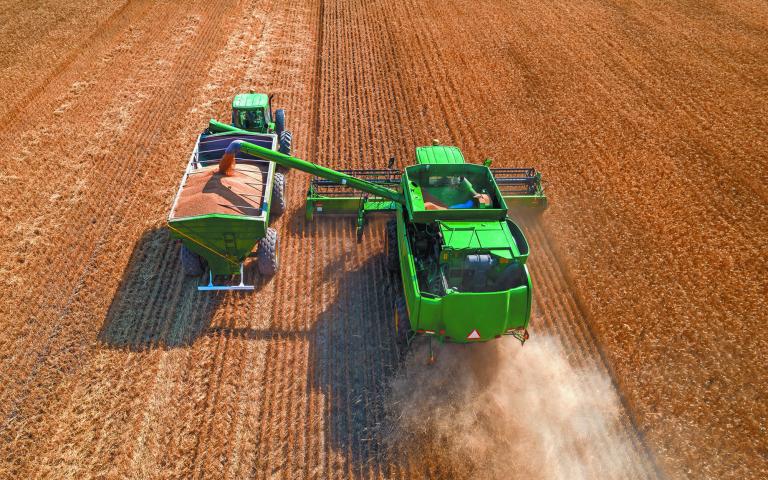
(252, 112)
(461, 259)
(221, 215)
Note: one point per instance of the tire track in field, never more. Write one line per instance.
(107, 224)
(19, 213)
(105, 28)
(143, 334)
(49, 296)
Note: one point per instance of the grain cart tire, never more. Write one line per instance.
(266, 256)
(191, 262)
(278, 195)
(393, 260)
(279, 121)
(286, 138)
(402, 322)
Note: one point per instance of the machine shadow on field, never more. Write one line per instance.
(354, 358)
(156, 305)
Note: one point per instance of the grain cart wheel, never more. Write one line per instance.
(279, 121)
(285, 142)
(191, 262)
(402, 322)
(278, 194)
(393, 261)
(266, 256)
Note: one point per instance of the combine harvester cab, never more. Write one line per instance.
(218, 217)
(462, 261)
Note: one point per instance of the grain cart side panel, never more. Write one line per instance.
(223, 240)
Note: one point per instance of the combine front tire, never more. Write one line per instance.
(278, 194)
(393, 260)
(266, 255)
(191, 262)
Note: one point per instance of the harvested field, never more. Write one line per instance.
(647, 118)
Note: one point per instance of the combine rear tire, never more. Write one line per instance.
(402, 322)
(191, 262)
(286, 138)
(278, 195)
(279, 121)
(393, 260)
(266, 256)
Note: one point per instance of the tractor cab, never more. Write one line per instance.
(253, 112)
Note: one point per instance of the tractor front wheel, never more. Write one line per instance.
(278, 195)
(393, 260)
(266, 255)
(191, 263)
(402, 322)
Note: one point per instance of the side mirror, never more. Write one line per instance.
(391, 162)
(487, 162)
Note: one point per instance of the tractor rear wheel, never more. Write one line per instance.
(393, 260)
(402, 322)
(266, 255)
(286, 138)
(279, 121)
(278, 195)
(191, 263)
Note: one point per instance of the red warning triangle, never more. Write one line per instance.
(473, 336)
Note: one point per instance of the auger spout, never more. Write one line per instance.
(215, 126)
(314, 169)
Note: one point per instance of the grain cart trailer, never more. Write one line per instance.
(461, 260)
(223, 207)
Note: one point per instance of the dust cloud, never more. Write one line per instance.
(499, 410)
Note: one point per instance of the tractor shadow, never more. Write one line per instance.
(156, 305)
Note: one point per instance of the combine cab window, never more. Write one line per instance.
(454, 191)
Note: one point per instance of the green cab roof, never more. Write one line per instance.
(250, 101)
(438, 154)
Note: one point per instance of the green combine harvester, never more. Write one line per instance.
(219, 216)
(462, 261)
